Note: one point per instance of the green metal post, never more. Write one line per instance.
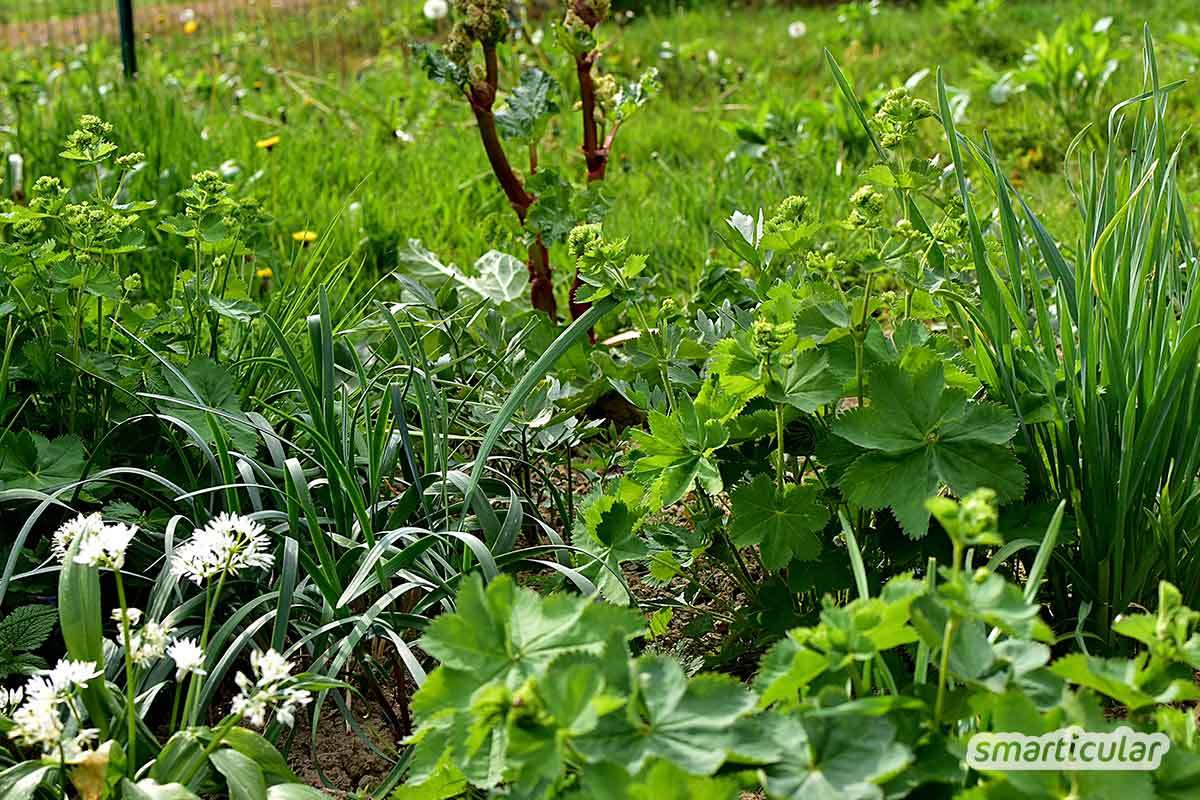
(125, 21)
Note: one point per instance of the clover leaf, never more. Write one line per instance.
(922, 437)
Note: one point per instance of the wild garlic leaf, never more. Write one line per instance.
(784, 525)
(921, 437)
(528, 107)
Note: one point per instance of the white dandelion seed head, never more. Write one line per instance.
(797, 30)
(435, 9)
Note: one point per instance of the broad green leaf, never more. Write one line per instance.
(528, 107)
(21, 781)
(678, 453)
(806, 383)
(508, 634)
(785, 525)
(243, 777)
(842, 757)
(686, 722)
(502, 278)
(31, 461)
(921, 436)
(149, 789)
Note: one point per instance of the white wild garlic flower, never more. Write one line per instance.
(188, 658)
(68, 532)
(38, 720)
(149, 643)
(271, 689)
(228, 543)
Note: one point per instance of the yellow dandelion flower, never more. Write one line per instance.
(267, 144)
(264, 273)
(305, 237)
(190, 27)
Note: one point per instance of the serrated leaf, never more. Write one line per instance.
(528, 106)
(784, 525)
(688, 723)
(678, 452)
(922, 436)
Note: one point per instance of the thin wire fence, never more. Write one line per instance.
(322, 35)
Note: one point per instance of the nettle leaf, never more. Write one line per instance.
(31, 461)
(677, 453)
(784, 525)
(922, 437)
(27, 628)
(689, 723)
(527, 108)
(842, 757)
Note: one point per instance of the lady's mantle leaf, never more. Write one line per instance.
(921, 437)
(835, 758)
(508, 633)
(688, 723)
(784, 525)
(677, 452)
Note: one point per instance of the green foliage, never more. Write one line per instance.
(578, 713)
(22, 631)
(920, 437)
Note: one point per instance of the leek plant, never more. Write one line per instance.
(1095, 347)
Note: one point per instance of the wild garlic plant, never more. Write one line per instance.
(61, 719)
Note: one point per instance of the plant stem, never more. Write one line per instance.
(779, 468)
(130, 710)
